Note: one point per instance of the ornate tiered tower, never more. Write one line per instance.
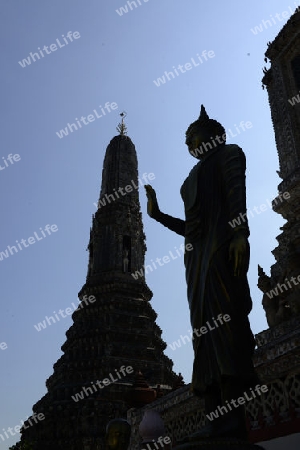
(114, 334)
(283, 83)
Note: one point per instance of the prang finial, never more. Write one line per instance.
(121, 128)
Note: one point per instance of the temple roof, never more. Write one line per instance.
(291, 29)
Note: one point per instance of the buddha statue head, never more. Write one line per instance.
(204, 135)
(117, 435)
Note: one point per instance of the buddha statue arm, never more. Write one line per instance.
(234, 169)
(174, 224)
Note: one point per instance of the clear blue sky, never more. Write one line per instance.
(56, 181)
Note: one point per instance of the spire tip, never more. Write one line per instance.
(121, 128)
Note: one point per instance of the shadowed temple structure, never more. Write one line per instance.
(282, 289)
(114, 341)
(273, 418)
(114, 347)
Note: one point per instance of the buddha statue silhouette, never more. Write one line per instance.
(214, 193)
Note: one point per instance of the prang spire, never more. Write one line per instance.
(121, 128)
(117, 241)
(114, 330)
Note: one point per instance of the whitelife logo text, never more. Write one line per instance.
(86, 119)
(199, 332)
(107, 198)
(236, 403)
(53, 47)
(68, 311)
(11, 158)
(106, 382)
(31, 240)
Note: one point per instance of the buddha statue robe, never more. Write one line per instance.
(214, 194)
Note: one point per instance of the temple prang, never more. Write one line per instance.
(114, 337)
(282, 81)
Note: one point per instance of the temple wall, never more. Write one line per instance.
(273, 416)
